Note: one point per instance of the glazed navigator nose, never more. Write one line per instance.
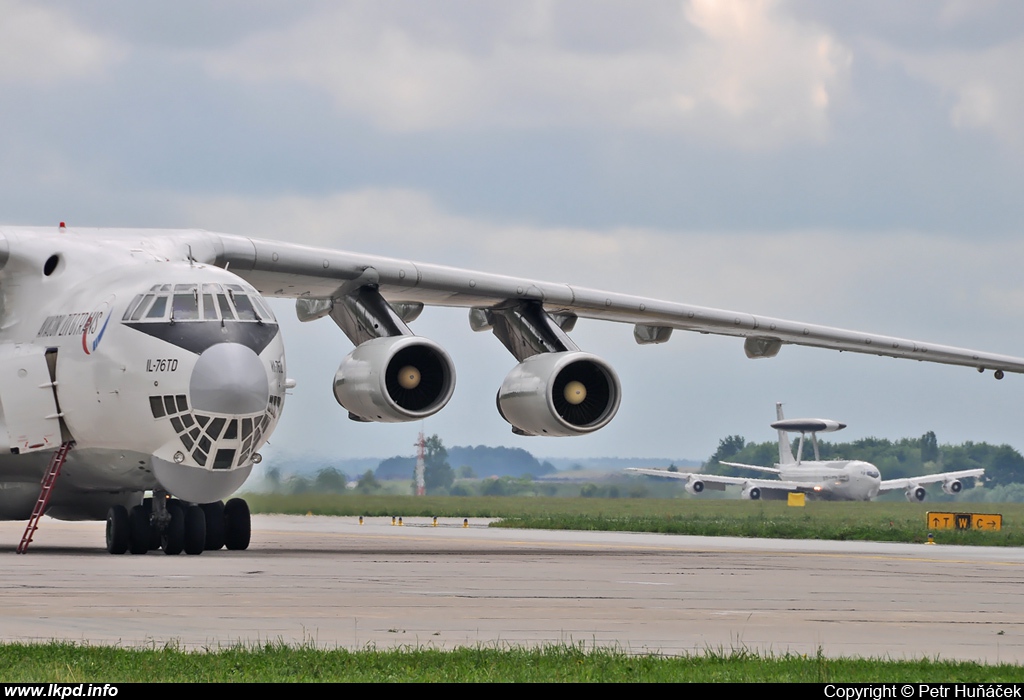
(229, 378)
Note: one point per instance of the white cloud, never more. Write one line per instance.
(738, 71)
(982, 84)
(954, 12)
(42, 45)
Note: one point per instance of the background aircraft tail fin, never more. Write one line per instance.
(785, 450)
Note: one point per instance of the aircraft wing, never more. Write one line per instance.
(773, 485)
(769, 470)
(316, 276)
(893, 484)
(685, 476)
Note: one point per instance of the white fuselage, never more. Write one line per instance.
(168, 374)
(844, 480)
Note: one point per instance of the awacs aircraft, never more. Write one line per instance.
(144, 360)
(839, 479)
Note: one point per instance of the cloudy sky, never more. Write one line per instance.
(856, 164)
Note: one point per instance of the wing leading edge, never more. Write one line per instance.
(288, 270)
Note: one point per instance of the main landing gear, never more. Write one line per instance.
(176, 526)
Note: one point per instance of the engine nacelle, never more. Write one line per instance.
(953, 486)
(694, 486)
(751, 493)
(395, 379)
(916, 493)
(559, 393)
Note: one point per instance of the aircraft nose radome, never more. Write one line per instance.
(229, 378)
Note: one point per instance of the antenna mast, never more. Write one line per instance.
(421, 446)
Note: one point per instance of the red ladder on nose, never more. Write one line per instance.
(49, 479)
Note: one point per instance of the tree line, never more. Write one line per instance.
(897, 459)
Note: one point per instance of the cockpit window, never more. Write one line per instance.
(141, 308)
(208, 301)
(186, 303)
(209, 308)
(159, 307)
(246, 312)
(262, 309)
(225, 308)
(131, 307)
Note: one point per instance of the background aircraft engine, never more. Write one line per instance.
(752, 493)
(559, 394)
(395, 379)
(916, 493)
(694, 486)
(953, 486)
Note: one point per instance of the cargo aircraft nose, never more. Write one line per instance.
(220, 426)
(229, 378)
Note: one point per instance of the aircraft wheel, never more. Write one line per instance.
(214, 513)
(174, 536)
(195, 530)
(237, 524)
(117, 530)
(154, 534)
(139, 530)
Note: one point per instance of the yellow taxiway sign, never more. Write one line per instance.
(965, 521)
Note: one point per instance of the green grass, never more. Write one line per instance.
(63, 662)
(770, 526)
(878, 521)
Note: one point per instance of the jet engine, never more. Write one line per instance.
(916, 493)
(953, 486)
(694, 486)
(559, 393)
(751, 493)
(394, 379)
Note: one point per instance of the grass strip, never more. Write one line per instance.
(875, 521)
(763, 527)
(63, 662)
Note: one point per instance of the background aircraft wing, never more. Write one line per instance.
(317, 275)
(775, 484)
(691, 477)
(893, 484)
(770, 470)
(686, 476)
